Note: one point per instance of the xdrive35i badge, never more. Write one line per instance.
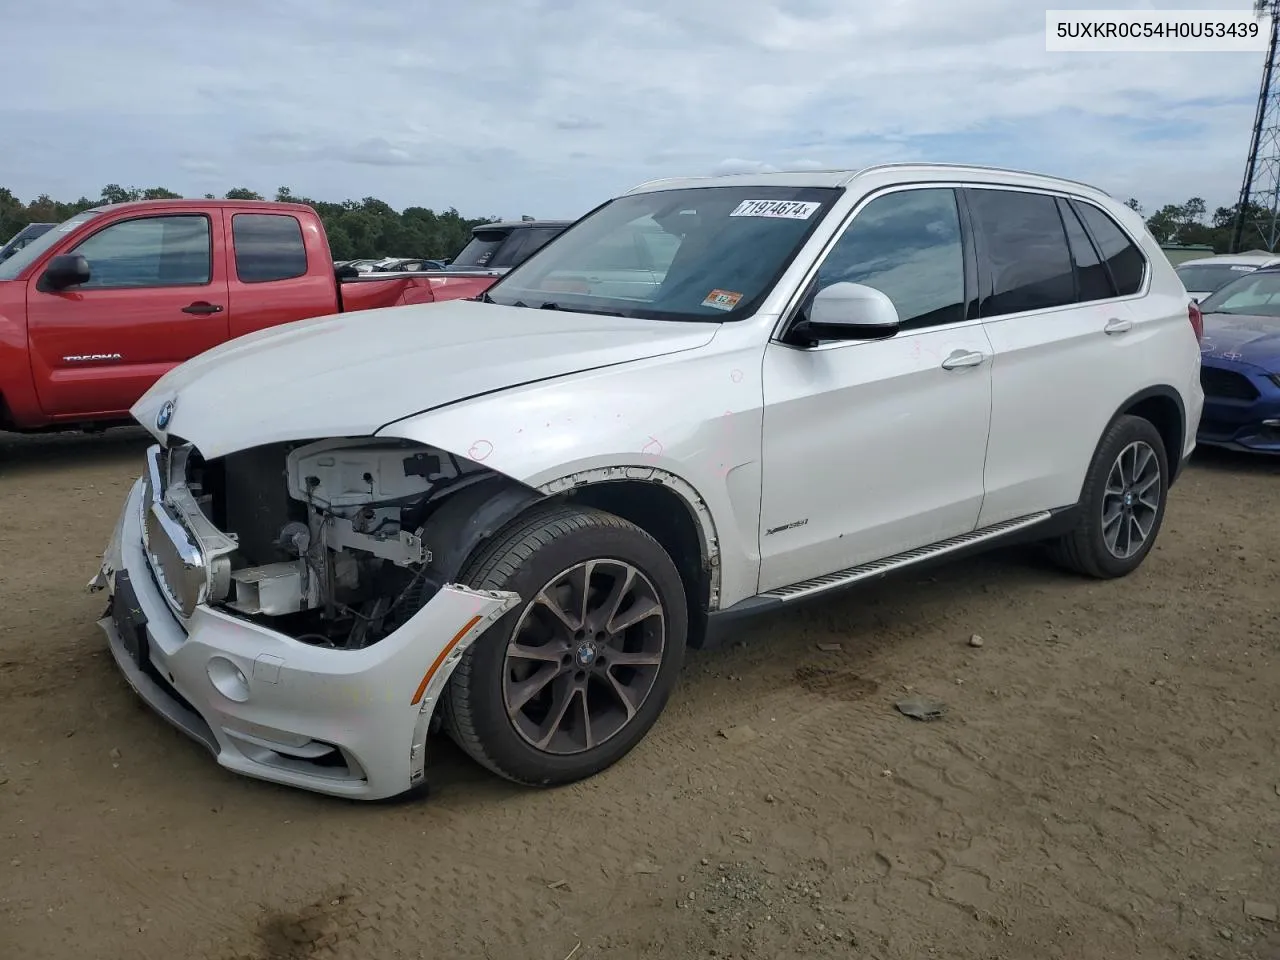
(165, 415)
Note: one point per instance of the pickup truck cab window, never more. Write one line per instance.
(167, 251)
(268, 246)
(729, 246)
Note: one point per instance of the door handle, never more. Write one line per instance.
(963, 358)
(201, 308)
(1116, 325)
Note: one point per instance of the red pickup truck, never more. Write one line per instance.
(97, 309)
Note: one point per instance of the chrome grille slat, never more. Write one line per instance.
(865, 571)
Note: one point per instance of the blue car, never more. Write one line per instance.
(1240, 364)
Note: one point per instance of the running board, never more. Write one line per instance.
(876, 568)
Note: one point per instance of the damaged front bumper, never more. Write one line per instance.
(350, 723)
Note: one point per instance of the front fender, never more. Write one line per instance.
(691, 422)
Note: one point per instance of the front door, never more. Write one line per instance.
(156, 296)
(871, 448)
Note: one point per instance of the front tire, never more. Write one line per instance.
(569, 681)
(1122, 504)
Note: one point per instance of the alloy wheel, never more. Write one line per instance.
(1131, 500)
(584, 656)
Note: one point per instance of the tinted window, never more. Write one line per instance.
(150, 252)
(1123, 259)
(1025, 251)
(268, 246)
(476, 254)
(525, 242)
(1092, 280)
(907, 245)
(1209, 277)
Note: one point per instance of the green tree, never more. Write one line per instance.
(368, 227)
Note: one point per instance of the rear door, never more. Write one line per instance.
(157, 296)
(1059, 281)
(273, 279)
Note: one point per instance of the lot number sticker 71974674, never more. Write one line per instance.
(785, 209)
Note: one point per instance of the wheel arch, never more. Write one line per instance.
(662, 504)
(1162, 407)
(668, 509)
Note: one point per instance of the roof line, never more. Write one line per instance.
(852, 174)
(971, 166)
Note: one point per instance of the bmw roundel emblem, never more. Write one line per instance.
(165, 415)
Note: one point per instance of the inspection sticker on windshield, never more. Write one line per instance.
(785, 209)
(722, 299)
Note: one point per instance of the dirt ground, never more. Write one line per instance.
(1105, 782)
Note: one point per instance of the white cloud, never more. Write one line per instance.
(549, 106)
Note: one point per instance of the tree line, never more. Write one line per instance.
(371, 228)
(356, 228)
(1190, 224)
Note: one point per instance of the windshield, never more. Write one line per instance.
(10, 268)
(706, 253)
(1208, 277)
(1255, 295)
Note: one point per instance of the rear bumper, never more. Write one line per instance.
(350, 723)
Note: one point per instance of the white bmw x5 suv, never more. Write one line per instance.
(707, 397)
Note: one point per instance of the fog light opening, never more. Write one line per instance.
(228, 679)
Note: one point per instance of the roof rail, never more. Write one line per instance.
(977, 166)
(649, 183)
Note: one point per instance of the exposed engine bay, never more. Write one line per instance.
(328, 541)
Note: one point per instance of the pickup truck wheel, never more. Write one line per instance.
(1122, 504)
(570, 680)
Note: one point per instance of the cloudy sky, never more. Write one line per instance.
(547, 107)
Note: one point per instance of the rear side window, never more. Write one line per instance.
(484, 244)
(269, 246)
(1028, 263)
(1092, 280)
(525, 242)
(1123, 259)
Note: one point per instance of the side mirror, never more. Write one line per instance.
(850, 311)
(64, 270)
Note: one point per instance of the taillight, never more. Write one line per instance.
(1196, 318)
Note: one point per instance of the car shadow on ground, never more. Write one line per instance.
(23, 453)
(1236, 462)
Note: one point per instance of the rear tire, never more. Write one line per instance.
(1121, 505)
(577, 692)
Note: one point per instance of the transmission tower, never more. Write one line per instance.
(1258, 209)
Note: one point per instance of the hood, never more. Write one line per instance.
(1243, 339)
(350, 374)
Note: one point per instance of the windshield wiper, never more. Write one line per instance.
(550, 305)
